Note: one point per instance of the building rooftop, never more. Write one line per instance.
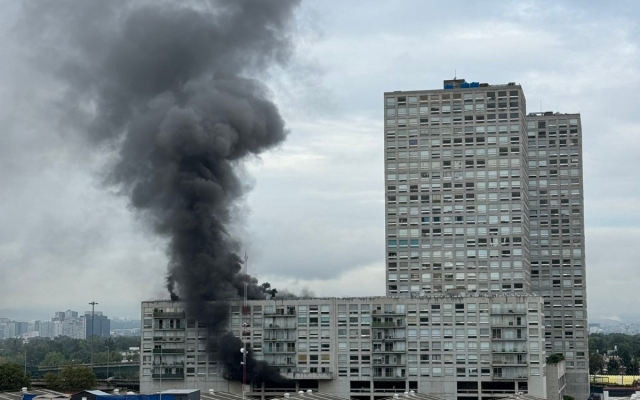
(370, 298)
(460, 83)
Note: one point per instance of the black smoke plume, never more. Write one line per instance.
(174, 89)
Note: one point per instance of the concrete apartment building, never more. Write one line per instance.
(485, 198)
(468, 347)
(485, 268)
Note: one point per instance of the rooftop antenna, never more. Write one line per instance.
(455, 74)
(540, 105)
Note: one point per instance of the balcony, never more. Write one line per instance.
(510, 338)
(275, 326)
(162, 314)
(308, 375)
(389, 338)
(383, 363)
(168, 351)
(168, 339)
(386, 324)
(169, 328)
(168, 376)
(280, 313)
(508, 362)
(509, 376)
(510, 311)
(390, 376)
(279, 351)
(508, 324)
(389, 350)
(510, 350)
(280, 363)
(382, 312)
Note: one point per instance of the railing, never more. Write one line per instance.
(509, 376)
(510, 350)
(169, 328)
(168, 339)
(388, 351)
(169, 365)
(394, 376)
(279, 314)
(167, 376)
(308, 375)
(390, 364)
(275, 326)
(278, 351)
(384, 324)
(508, 362)
(168, 351)
(162, 314)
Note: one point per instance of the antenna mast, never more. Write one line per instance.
(245, 323)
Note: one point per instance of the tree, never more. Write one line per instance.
(12, 377)
(104, 357)
(51, 381)
(555, 358)
(567, 397)
(624, 354)
(54, 359)
(613, 366)
(596, 363)
(77, 378)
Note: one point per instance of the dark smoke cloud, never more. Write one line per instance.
(174, 90)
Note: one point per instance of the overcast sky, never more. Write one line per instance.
(314, 218)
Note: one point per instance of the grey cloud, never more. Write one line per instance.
(574, 56)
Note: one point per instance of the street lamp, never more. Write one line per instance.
(244, 370)
(25, 355)
(93, 315)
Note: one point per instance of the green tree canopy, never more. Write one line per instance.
(12, 377)
(77, 378)
(613, 366)
(110, 357)
(555, 358)
(54, 359)
(51, 381)
(596, 363)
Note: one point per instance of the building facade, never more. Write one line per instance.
(482, 197)
(471, 347)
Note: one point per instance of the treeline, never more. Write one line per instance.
(62, 351)
(614, 353)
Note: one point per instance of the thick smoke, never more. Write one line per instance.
(174, 90)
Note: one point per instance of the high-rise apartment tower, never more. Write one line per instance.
(482, 197)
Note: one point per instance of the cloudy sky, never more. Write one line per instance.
(314, 216)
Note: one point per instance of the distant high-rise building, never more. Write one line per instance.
(22, 327)
(482, 197)
(49, 329)
(97, 324)
(58, 316)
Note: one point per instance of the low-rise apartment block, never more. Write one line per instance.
(471, 347)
